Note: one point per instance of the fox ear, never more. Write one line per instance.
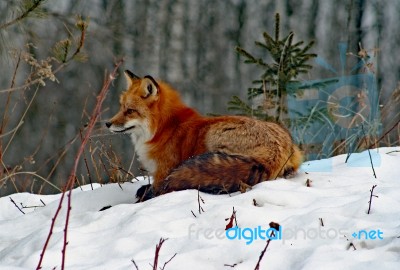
(129, 77)
(150, 87)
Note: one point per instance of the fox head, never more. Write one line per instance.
(135, 107)
(148, 108)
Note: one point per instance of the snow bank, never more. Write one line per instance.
(337, 198)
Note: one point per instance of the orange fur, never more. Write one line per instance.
(166, 132)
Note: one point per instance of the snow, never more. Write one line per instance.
(110, 239)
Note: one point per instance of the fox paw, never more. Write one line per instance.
(289, 173)
(145, 193)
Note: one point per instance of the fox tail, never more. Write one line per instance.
(215, 173)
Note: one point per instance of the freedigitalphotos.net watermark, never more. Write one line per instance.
(249, 235)
(338, 108)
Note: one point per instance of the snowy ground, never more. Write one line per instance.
(110, 239)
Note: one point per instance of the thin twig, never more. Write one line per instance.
(275, 226)
(262, 255)
(394, 151)
(370, 198)
(134, 263)
(163, 268)
(17, 206)
(5, 116)
(42, 202)
(12, 130)
(384, 135)
(369, 153)
(33, 206)
(231, 265)
(199, 198)
(86, 164)
(123, 170)
(30, 173)
(22, 118)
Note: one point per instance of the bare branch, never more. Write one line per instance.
(72, 179)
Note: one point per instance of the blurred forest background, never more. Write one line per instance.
(188, 43)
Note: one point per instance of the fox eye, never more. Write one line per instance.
(130, 111)
(150, 89)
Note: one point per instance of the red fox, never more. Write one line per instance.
(210, 150)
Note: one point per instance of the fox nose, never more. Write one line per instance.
(108, 124)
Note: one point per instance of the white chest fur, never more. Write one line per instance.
(140, 137)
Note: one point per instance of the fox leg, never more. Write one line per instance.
(145, 193)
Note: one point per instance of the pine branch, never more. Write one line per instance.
(31, 8)
(297, 44)
(237, 104)
(289, 60)
(269, 41)
(62, 48)
(277, 25)
(246, 54)
(308, 46)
